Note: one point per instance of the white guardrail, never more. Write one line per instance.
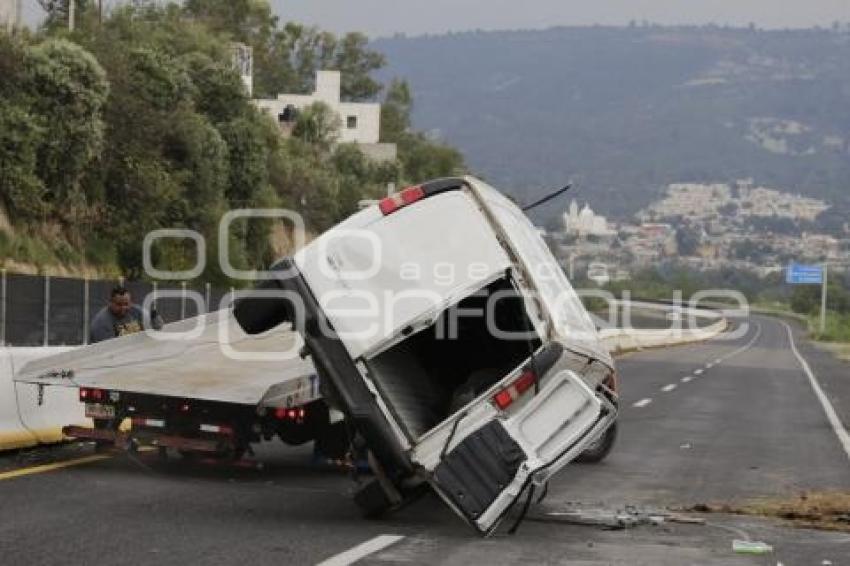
(30, 415)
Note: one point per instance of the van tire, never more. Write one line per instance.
(600, 449)
(372, 500)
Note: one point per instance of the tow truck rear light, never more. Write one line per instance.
(146, 422)
(92, 395)
(216, 429)
(401, 199)
(505, 397)
(291, 414)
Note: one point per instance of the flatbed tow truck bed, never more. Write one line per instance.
(199, 385)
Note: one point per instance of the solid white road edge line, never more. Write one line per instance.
(831, 415)
(669, 387)
(362, 550)
(642, 403)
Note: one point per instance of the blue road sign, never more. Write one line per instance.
(799, 274)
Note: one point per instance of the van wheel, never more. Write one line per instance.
(597, 451)
(372, 500)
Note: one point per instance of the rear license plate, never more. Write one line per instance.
(98, 411)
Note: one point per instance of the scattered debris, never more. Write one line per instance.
(607, 518)
(827, 510)
(751, 547)
(685, 519)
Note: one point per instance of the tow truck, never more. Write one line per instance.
(199, 387)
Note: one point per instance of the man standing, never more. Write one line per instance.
(121, 317)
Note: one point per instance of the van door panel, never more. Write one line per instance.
(483, 475)
(561, 413)
(475, 473)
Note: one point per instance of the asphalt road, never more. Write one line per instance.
(749, 425)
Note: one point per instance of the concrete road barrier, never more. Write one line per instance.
(620, 340)
(13, 434)
(687, 325)
(29, 416)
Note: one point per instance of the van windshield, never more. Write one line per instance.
(430, 375)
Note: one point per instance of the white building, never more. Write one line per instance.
(10, 14)
(360, 122)
(585, 222)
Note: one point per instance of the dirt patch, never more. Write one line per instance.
(829, 510)
(838, 349)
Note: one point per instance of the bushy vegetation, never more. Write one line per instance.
(138, 121)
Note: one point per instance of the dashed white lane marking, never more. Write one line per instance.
(718, 361)
(709, 366)
(831, 415)
(642, 403)
(698, 372)
(360, 551)
(686, 379)
(668, 388)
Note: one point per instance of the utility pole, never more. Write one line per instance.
(71, 10)
(823, 300)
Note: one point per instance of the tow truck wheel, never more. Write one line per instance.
(599, 449)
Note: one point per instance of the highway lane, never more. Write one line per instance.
(749, 425)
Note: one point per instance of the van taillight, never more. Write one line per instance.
(611, 382)
(401, 199)
(507, 395)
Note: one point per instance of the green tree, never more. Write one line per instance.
(318, 125)
(357, 62)
(67, 91)
(396, 111)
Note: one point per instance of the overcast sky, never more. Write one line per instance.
(413, 17)
(385, 17)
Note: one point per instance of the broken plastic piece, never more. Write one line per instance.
(751, 547)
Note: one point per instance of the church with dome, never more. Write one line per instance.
(585, 222)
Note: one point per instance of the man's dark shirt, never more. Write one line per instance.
(106, 325)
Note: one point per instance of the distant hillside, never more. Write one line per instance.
(624, 111)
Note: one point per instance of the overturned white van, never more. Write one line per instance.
(446, 333)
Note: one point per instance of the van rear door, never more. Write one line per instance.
(483, 458)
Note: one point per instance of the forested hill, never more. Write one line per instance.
(624, 111)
